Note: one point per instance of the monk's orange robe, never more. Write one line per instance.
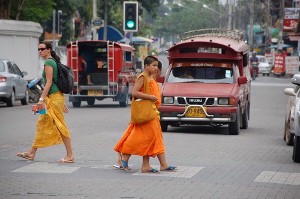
(144, 139)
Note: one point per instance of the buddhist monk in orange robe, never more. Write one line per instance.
(145, 139)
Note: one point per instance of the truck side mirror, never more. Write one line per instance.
(242, 80)
(160, 79)
(138, 70)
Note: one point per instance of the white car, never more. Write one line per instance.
(264, 66)
(296, 150)
(289, 131)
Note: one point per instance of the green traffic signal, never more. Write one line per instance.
(130, 16)
(130, 24)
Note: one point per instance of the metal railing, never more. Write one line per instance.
(233, 34)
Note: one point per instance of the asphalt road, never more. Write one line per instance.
(211, 164)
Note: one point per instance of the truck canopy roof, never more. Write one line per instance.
(210, 44)
(102, 42)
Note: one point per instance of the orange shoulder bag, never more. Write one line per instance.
(142, 110)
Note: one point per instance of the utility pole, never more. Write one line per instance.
(251, 25)
(229, 27)
(94, 17)
(267, 35)
(233, 15)
(280, 40)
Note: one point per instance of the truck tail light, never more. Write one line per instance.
(2, 79)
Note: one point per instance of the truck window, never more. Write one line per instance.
(127, 56)
(201, 74)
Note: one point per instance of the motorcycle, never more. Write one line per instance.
(35, 88)
(254, 68)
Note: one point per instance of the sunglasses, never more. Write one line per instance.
(41, 49)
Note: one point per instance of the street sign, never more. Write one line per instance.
(97, 23)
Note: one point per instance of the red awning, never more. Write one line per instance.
(294, 37)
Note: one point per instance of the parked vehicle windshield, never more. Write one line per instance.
(201, 75)
(262, 59)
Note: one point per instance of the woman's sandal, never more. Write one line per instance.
(63, 160)
(25, 156)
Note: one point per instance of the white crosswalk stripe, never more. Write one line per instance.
(278, 177)
(45, 167)
(181, 172)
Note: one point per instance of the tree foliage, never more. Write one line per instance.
(174, 19)
(41, 11)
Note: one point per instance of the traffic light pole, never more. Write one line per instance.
(105, 20)
(53, 31)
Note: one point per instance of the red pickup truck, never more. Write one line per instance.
(207, 81)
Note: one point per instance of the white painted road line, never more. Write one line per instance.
(278, 177)
(45, 167)
(181, 172)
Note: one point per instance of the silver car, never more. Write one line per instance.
(264, 66)
(13, 86)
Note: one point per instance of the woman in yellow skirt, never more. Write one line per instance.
(51, 128)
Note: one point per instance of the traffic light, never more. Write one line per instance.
(130, 16)
(61, 22)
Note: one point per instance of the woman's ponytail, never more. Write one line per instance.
(55, 56)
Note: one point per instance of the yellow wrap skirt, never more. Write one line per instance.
(51, 126)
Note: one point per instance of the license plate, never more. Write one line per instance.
(95, 92)
(196, 111)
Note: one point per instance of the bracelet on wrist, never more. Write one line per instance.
(41, 99)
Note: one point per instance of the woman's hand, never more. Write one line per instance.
(66, 109)
(40, 102)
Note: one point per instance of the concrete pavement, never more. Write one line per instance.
(211, 164)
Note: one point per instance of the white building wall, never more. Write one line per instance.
(19, 42)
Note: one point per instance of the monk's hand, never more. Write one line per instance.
(153, 98)
(66, 109)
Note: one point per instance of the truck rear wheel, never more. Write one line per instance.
(76, 104)
(123, 104)
(234, 127)
(296, 150)
(91, 102)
